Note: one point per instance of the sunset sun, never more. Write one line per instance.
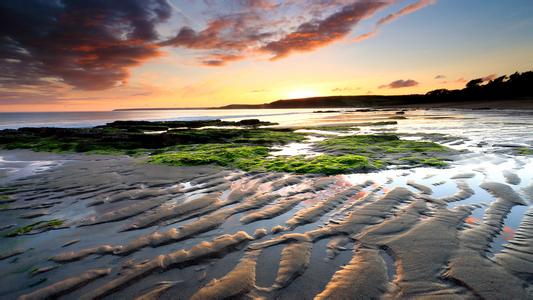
(301, 93)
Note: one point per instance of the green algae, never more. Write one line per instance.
(378, 144)
(116, 141)
(524, 151)
(424, 161)
(6, 189)
(256, 158)
(247, 147)
(390, 149)
(219, 154)
(21, 231)
(41, 225)
(55, 223)
(321, 164)
(260, 136)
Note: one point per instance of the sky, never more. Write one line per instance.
(88, 55)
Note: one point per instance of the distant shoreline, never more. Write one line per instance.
(161, 108)
(382, 102)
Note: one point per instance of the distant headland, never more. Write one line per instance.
(506, 92)
(158, 108)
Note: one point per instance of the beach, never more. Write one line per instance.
(86, 225)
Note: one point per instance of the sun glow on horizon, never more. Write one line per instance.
(301, 93)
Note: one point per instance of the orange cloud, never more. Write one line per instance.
(314, 34)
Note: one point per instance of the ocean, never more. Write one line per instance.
(492, 127)
(94, 118)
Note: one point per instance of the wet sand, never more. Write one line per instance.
(131, 230)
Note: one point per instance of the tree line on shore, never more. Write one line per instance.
(517, 87)
(514, 86)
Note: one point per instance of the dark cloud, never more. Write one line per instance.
(399, 84)
(220, 34)
(318, 33)
(88, 44)
(440, 77)
(217, 60)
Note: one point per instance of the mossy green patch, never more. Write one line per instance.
(422, 161)
(524, 151)
(65, 144)
(378, 144)
(104, 140)
(390, 149)
(55, 223)
(21, 230)
(42, 225)
(246, 147)
(4, 197)
(321, 164)
(256, 158)
(239, 136)
(219, 154)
